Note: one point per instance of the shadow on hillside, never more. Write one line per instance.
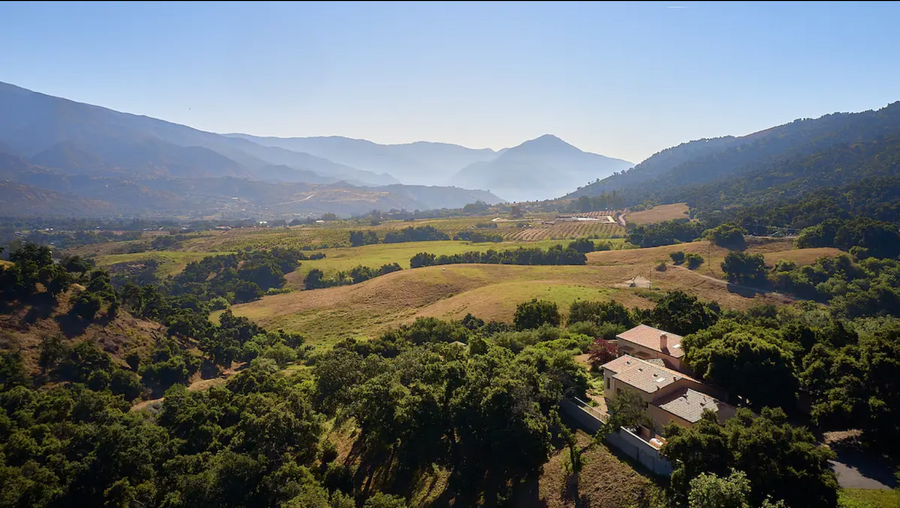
(744, 291)
(42, 307)
(72, 326)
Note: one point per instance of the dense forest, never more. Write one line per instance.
(476, 399)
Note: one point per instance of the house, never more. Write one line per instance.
(668, 395)
(646, 343)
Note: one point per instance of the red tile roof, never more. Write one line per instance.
(643, 375)
(648, 337)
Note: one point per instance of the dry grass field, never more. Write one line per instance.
(493, 291)
(658, 214)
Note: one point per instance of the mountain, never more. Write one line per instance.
(543, 168)
(772, 156)
(27, 189)
(65, 157)
(422, 163)
(18, 200)
(78, 137)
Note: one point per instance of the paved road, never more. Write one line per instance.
(856, 471)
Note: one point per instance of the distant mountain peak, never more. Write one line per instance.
(546, 143)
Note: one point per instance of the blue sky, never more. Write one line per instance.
(621, 79)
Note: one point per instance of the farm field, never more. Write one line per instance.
(492, 292)
(374, 256)
(337, 234)
(658, 213)
(337, 258)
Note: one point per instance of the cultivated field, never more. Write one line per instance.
(374, 256)
(567, 230)
(533, 228)
(658, 214)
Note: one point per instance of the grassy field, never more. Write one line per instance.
(170, 262)
(493, 291)
(863, 498)
(658, 214)
(374, 256)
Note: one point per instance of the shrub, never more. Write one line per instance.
(582, 245)
(536, 313)
(602, 351)
(693, 260)
(677, 257)
(743, 268)
(729, 236)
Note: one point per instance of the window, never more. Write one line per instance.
(607, 383)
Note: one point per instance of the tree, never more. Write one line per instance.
(600, 312)
(693, 260)
(709, 490)
(515, 212)
(627, 410)
(743, 268)
(12, 370)
(382, 500)
(779, 460)
(602, 351)
(314, 279)
(677, 257)
(421, 259)
(748, 363)
(680, 313)
(582, 245)
(535, 313)
(87, 305)
(729, 236)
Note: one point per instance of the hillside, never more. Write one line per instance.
(492, 292)
(783, 162)
(68, 135)
(419, 163)
(543, 168)
(23, 327)
(81, 160)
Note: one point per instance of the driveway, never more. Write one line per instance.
(857, 470)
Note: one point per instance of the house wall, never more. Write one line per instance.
(623, 440)
(661, 418)
(645, 353)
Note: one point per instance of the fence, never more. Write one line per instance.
(590, 420)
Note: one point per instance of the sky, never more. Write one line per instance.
(624, 80)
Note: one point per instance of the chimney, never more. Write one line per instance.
(663, 342)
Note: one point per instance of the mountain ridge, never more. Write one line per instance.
(542, 168)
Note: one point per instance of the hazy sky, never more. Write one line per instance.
(621, 79)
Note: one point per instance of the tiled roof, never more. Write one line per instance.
(620, 364)
(648, 377)
(648, 337)
(689, 404)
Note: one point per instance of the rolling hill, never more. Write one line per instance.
(543, 168)
(788, 160)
